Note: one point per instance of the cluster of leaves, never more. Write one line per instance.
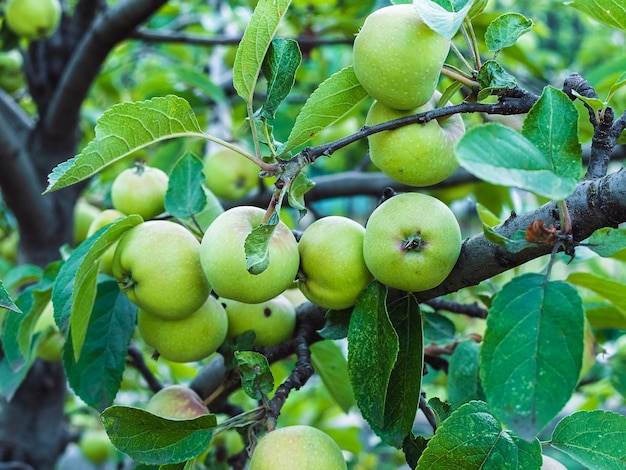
(521, 374)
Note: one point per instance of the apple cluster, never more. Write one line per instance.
(412, 241)
(397, 59)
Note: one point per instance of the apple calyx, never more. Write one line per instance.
(127, 282)
(414, 242)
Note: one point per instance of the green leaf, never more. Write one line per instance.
(6, 301)
(442, 409)
(10, 379)
(619, 83)
(605, 315)
(256, 377)
(613, 291)
(438, 328)
(17, 331)
(595, 103)
(298, 188)
(373, 347)
(336, 325)
(331, 365)
(75, 287)
(492, 76)
(486, 216)
(254, 45)
(333, 98)
(124, 129)
(610, 12)
(403, 389)
(444, 22)
(499, 155)
(593, 438)
(607, 241)
(505, 30)
(413, 447)
(257, 245)
(279, 67)
(153, 440)
(463, 375)
(185, 195)
(472, 435)
(552, 126)
(97, 375)
(533, 326)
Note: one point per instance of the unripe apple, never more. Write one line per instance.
(33, 19)
(84, 215)
(177, 402)
(223, 257)
(157, 265)
(105, 217)
(397, 58)
(412, 242)
(332, 268)
(230, 175)
(417, 154)
(51, 341)
(11, 73)
(273, 321)
(297, 447)
(96, 446)
(188, 339)
(140, 190)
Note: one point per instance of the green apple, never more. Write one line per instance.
(84, 215)
(11, 73)
(297, 447)
(412, 241)
(140, 190)
(332, 269)
(273, 321)
(223, 257)
(157, 265)
(104, 218)
(417, 154)
(96, 446)
(230, 175)
(189, 339)
(177, 402)
(50, 341)
(33, 19)
(398, 58)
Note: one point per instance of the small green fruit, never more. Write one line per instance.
(332, 268)
(11, 73)
(412, 242)
(189, 339)
(229, 175)
(157, 265)
(273, 321)
(177, 402)
(84, 215)
(417, 154)
(96, 446)
(223, 257)
(398, 58)
(140, 190)
(33, 19)
(297, 447)
(106, 217)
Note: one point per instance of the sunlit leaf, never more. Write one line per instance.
(505, 30)
(333, 98)
(124, 129)
(254, 45)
